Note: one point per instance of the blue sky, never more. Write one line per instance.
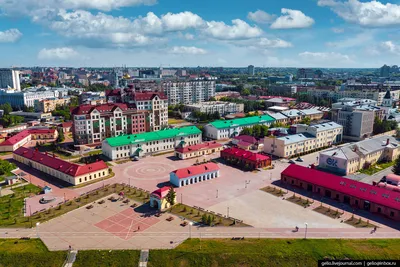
(285, 33)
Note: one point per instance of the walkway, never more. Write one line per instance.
(144, 258)
(70, 258)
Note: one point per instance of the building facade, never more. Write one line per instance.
(64, 170)
(93, 124)
(243, 158)
(307, 139)
(356, 194)
(9, 78)
(188, 92)
(224, 129)
(14, 142)
(158, 198)
(354, 157)
(48, 105)
(198, 150)
(223, 108)
(194, 174)
(143, 144)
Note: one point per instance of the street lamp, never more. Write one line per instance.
(37, 231)
(228, 212)
(217, 193)
(305, 234)
(190, 229)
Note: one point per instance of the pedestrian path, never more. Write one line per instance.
(70, 258)
(144, 257)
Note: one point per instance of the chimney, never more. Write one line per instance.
(388, 141)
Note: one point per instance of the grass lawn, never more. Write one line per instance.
(195, 215)
(333, 213)
(28, 253)
(377, 168)
(271, 252)
(123, 161)
(11, 206)
(299, 201)
(113, 258)
(5, 153)
(359, 223)
(274, 191)
(175, 121)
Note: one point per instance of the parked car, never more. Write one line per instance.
(299, 159)
(292, 161)
(98, 147)
(135, 158)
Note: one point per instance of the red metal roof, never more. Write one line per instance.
(242, 153)
(87, 109)
(148, 95)
(196, 170)
(346, 186)
(65, 124)
(66, 167)
(246, 138)
(206, 145)
(16, 138)
(161, 192)
(42, 131)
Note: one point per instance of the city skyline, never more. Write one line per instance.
(311, 33)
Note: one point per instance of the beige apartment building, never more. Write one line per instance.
(48, 105)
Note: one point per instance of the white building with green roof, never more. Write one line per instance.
(224, 129)
(142, 144)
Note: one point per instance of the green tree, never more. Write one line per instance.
(396, 166)
(7, 108)
(171, 196)
(60, 137)
(306, 120)
(247, 131)
(10, 120)
(245, 92)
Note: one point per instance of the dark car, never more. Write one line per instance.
(299, 159)
(292, 161)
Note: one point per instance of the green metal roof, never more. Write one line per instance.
(222, 124)
(152, 136)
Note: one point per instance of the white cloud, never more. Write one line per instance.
(292, 19)
(354, 41)
(263, 43)
(181, 21)
(62, 53)
(325, 57)
(338, 30)
(370, 14)
(238, 30)
(38, 6)
(189, 36)
(191, 50)
(10, 36)
(260, 17)
(391, 47)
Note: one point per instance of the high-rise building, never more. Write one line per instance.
(305, 73)
(385, 71)
(9, 78)
(93, 124)
(188, 92)
(250, 70)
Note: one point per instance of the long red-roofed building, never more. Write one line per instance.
(69, 172)
(244, 158)
(198, 150)
(194, 174)
(93, 124)
(357, 194)
(25, 136)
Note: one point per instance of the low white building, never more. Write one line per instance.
(194, 174)
(223, 108)
(142, 144)
(224, 129)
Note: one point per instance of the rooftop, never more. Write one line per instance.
(295, 138)
(222, 124)
(109, 107)
(161, 192)
(242, 153)
(193, 148)
(60, 165)
(152, 136)
(347, 186)
(196, 170)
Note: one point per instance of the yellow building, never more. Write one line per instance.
(48, 105)
(158, 198)
(198, 150)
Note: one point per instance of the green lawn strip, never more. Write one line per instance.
(274, 191)
(135, 194)
(196, 215)
(29, 253)
(271, 252)
(377, 168)
(113, 258)
(333, 213)
(123, 161)
(304, 202)
(359, 223)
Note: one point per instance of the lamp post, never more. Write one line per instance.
(228, 212)
(305, 234)
(181, 199)
(190, 229)
(37, 230)
(217, 193)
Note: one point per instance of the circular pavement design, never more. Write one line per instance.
(148, 171)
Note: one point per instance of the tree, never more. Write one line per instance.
(7, 108)
(245, 92)
(396, 166)
(10, 120)
(306, 120)
(6, 167)
(170, 197)
(247, 131)
(60, 137)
